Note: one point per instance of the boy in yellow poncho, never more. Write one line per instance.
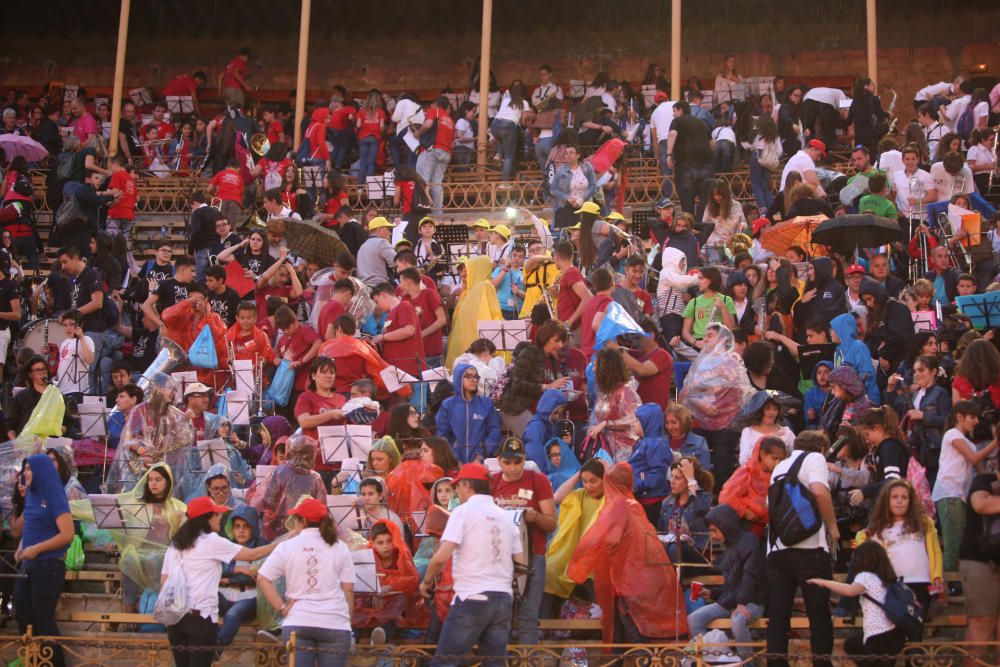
(478, 302)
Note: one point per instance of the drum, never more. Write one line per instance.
(42, 336)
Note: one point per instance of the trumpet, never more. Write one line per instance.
(259, 144)
(738, 243)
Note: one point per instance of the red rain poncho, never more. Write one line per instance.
(348, 346)
(746, 490)
(627, 560)
(408, 489)
(399, 584)
(182, 328)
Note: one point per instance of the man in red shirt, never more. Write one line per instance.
(529, 492)
(432, 162)
(186, 85)
(299, 345)
(122, 212)
(274, 130)
(227, 185)
(594, 309)
(653, 368)
(233, 80)
(430, 312)
(343, 291)
(573, 293)
(635, 271)
(342, 117)
(406, 259)
(402, 344)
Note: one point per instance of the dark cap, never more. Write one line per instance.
(512, 448)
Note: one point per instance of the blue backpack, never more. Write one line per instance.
(901, 607)
(792, 508)
(966, 122)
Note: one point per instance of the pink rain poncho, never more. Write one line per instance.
(287, 484)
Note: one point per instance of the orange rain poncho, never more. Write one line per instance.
(408, 489)
(183, 329)
(746, 490)
(399, 584)
(627, 560)
(349, 346)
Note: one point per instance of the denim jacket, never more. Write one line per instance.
(561, 183)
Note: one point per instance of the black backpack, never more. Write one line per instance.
(794, 515)
(988, 416)
(901, 607)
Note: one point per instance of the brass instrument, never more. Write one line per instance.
(892, 108)
(738, 243)
(993, 172)
(944, 230)
(917, 191)
(171, 356)
(259, 144)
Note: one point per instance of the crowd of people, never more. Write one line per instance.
(632, 417)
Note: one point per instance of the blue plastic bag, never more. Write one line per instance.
(281, 385)
(202, 352)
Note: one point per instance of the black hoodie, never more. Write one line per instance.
(830, 299)
(889, 337)
(741, 564)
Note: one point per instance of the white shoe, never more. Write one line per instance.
(378, 636)
(265, 636)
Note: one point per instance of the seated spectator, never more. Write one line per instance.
(398, 582)
(682, 514)
(542, 427)
(238, 586)
(683, 440)
(290, 481)
(746, 490)
(818, 394)
(371, 493)
(765, 422)
(651, 459)
(468, 421)
(854, 353)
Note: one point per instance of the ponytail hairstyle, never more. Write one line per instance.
(884, 417)
(327, 529)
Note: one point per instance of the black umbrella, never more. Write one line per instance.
(848, 232)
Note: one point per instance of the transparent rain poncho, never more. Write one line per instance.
(287, 484)
(717, 386)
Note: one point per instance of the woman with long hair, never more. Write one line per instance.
(252, 253)
(319, 587)
(405, 429)
(579, 499)
(369, 127)
(977, 377)
(437, 451)
(572, 185)
(765, 422)
(925, 406)
(725, 212)
(888, 454)
(614, 417)
(199, 552)
(914, 135)
(506, 126)
(790, 122)
(682, 514)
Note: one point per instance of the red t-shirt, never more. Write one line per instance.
(405, 189)
(568, 300)
(182, 85)
(333, 204)
(349, 369)
(274, 131)
(311, 403)
(656, 388)
(529, 491)
(370, 126)
(407, 354)
(644, 299)
(299, 343)
(236, 66)
(261, 294)
(318, 149)
(331, 311)
(342, 118)
(125, 208)
(163, 129)
(598, 304)
(228, 185)
(445, 135)
(426, 304)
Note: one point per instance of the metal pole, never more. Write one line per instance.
(872, 41)
(116, 99)
(484, 84)
(300, 80)
(675, 49)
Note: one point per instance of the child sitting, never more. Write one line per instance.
(876, 202)
(397, 583)
(746, 490)
(238, 587)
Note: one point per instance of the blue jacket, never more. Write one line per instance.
(541, 429)
(815, 398)
(696, 446)
(560, 186)
(854, 353)
(651, 456)
(471, 427)
(249, 515)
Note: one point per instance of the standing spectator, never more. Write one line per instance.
(430, 312)
(572, 289)
(186, 85)
(979, 568)
(203, 236)
(468, 421)
(406, 117)
(515, 488)
(401, 339)
(433, 161)
(227, 186)
(376, 256)
(481, 569)
(233, 80)
(299, 345)
(822, 111)
(47, 531)
(792, 566)
(790, 123)
(122, 213)
(650, 364)
(804, 162)
(547, 88)
(867, 115)
(689, 155)
(222, 300)
(766, 146)
(370, 125)
(613, 417)
(506, 126)
(76, 355)
(87, 298)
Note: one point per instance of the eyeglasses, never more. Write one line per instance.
(39, 370)
(471, 377)
(414, 413)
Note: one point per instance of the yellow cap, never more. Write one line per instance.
(401, 242)
(482, 223)
(616, 216)
(576, 226)
(502, 230)
(378, 223)
(424, 220)
(589, 207)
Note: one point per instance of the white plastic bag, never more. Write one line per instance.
(171, 603)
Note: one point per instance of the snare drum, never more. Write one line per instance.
(43, 337)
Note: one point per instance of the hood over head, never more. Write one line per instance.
(249, 515)
(320, 115)
(726, 520)
(456, 378)
(845, 326)
(823, 267)
(737, 278)
(547, 404)
(828, 364)
(650, 416)
(880, 293)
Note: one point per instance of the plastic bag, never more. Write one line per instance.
(281, 385)
(202, 352)
(47, 417)
(171, 602)
(717, 387)
(74, 554)
(269, 618)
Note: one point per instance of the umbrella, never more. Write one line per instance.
(849, 232)
(16, 145)
(312, 242)
(797, 231)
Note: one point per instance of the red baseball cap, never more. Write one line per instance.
(856, 268)
(472, 471)
(311, 510)
(661, 97)
(204, 505)
(819, 145)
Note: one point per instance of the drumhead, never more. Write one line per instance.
(33, 335)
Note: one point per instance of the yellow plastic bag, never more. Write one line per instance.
(47, 418)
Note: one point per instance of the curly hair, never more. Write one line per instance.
(980, 364)
(610, 370)
(914, 521)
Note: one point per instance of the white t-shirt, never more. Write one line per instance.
(406, 113)
(901, 184)
(202, 565)
(724, 133)
(954, 111)
(874, 620)
(954, 476)
(925, 94)
(750, 436)
(314, 572)
(464, 136)
(800, 162)
(831, 96)
(510, 112)
(934, 133)
(981, 110)
(487, 541)
(890, 162)
(813, 470)
(548, 90)
(907, 553)
(661, 118)
(948, 186)
(72, 374)
(980, 155)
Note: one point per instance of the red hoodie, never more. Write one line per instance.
(316, 134)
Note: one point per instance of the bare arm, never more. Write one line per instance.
(985, 503)
(545, 517)
(96, 303)
(971, 455)
(566, 488)
(584, 294)
(228, 255)
(312, 421)
(439, 322)
(149, 309)
(850, 590)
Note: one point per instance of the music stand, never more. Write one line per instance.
(93, 417)
(346, 441)
(395, 378)
(111, 514)
(375, 188)
(982, 309)
(365, 574)
(238, 407)
(183, 379)
(345, 511)
(356, 468)
(810, 355)
(70, 92)
(577, 88)
(504, 334)
(312, 176)
(211, 452)
(434, 375)
(180, 104)
(243, 372)
(924, 320)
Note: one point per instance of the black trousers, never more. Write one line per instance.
(887, 644)
(194, 631)
(828, 117)
(787, 570)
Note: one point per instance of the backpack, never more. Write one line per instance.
(69, 211)
(64, 171)
(901, 607)
(305, 152)
(966, 122)
(989, 541)
(794, 515)
(988, 415)
(768, 157)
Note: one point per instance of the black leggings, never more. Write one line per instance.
(887, 644)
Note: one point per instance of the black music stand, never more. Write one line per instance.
(504, 334)
(982, 309)
(344, 442)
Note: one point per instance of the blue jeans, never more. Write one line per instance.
(400, 152)
(482, 619)
(431, 166)
(36, 596)
(342, 141)
(725, 152)
(692, 181)
(527, 617)
(368, 150)
(332, 648)
(698, 623)
(201, 263)
(760, 181)
(235, 614)
(505, 132)
(96, 374)
(542, 149)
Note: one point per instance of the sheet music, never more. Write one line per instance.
(93, 418)
(243, 370)
(109, 514)
(435, 375)
(211, 452)
(365, 574)
(924, 320)
(395, 379)
(346, 441)
(238, 407)
(345, 512)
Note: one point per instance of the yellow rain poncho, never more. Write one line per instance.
(478, 302)
(577, 512)
(149, 528)
(543, 273)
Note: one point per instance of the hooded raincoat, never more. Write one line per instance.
(478, 302)
(540, 429)
(577, 513)
(627, 561)
(471, 427)
(852, 352)
(241, 586)
(651, 456)
(815, 398)
(742, 562)
(746, 490)
(287, 484)
(398, 583)
(674, 280)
